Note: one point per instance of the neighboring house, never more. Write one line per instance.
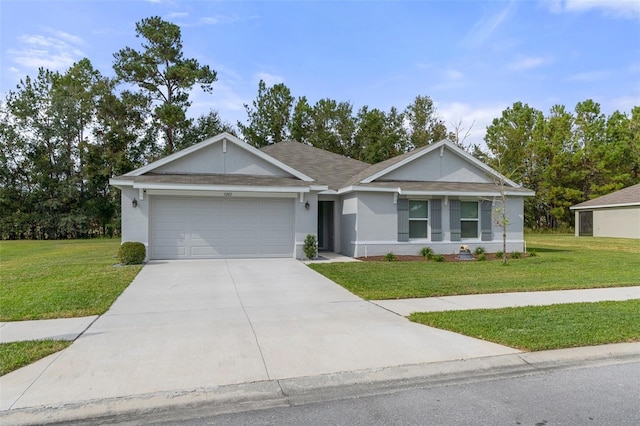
(223, 198)
(612, 215)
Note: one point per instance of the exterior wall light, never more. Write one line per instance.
(134, 203)
(307, 206)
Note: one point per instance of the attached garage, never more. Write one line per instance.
(221, 227)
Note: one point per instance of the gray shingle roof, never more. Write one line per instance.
(627, 196)
(216, 179)
(325, 167)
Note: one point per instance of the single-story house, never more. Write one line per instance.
(612, 215)
(223, 198)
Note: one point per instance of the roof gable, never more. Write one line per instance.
(221, 154)
(442, 161)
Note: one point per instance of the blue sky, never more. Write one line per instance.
(473, 58)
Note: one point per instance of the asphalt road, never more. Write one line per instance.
(600, 395)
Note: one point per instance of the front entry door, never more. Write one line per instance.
(325, 226)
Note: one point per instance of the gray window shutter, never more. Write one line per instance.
(436, 220)
(403, 219)
(454, 220)
(486, 220)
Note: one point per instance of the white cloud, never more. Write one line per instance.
(528, 62)
(471, 118)
(483, 29)
(629, 9)
(56, 51)
(177, 15)
(589, 76)
(454, 75)
(269, 79)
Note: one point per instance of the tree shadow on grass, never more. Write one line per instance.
(546, 250)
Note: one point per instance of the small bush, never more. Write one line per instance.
(310, 247)
(390, 257)
(516, 255)
(533, 253)
(482, 256)
(479, 250)
(499, 254)
(132, 253)
(426, 252)
(438, 258)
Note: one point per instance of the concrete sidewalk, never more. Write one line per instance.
(57, 329)
(405, 307)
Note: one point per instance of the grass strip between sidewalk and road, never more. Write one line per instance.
(18, 354)
(60, 279)
(562, 262)
(537, 328)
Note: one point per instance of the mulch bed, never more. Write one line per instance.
(414, 258)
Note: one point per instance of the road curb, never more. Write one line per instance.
(302, 390)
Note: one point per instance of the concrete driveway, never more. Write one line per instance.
(185, 325)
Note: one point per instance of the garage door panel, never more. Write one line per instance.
(184, 227)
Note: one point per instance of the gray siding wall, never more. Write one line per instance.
(622, 222)
(348, 224)
(432, 167)
(135, 221)
(306, 221)
(375, 232)
(212, 160)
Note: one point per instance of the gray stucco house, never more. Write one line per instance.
(612, 215)
(223, 198)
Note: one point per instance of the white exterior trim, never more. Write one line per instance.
(456, 150)
(224, 137)
(605, 206)
(222, 188)
(354, 188)
(234, 194)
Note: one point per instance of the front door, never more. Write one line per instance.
(325, 226)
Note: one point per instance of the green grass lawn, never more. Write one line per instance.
(536, 328)
(562, 262)
(18, 354)
(60, 279)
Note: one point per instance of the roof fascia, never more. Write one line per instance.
(456, 150)
(400, 191)
(119, 183)
(604, 206)
(223, 188)
(215, 139)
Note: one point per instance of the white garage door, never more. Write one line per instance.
(199, 227)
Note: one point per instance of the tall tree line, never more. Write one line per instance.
(565, 157)
(64, 134)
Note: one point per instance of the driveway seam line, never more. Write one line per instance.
(255, 336)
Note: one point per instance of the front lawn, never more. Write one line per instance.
(562, 262)
(60, 279)
(18, 354)
(537, 328)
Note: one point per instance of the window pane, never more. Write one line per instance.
(469, 210)
(418, 229)
(469, 228)
(418, 209)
